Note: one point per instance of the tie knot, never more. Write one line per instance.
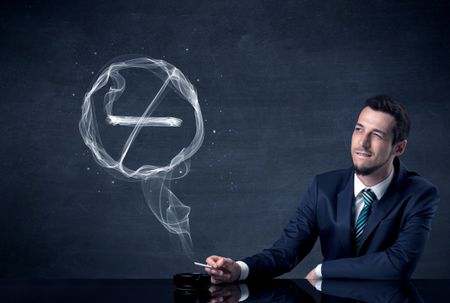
(368, 196)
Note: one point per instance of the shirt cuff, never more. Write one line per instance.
(244, 270)
(318, 282)
(318, 271)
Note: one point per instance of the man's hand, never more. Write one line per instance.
(312, 275)
(224, 270)
(313, 278)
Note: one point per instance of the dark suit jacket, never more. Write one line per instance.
(392, 241)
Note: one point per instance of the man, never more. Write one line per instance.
(372, 220)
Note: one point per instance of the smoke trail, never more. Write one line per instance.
(155, 180)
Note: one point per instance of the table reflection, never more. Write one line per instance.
(331, 291)
(369, 291)
(277, 290)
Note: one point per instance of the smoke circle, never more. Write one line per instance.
(172, 78)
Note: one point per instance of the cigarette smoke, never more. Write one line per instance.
(155, 180)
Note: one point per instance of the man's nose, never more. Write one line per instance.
(364, 141)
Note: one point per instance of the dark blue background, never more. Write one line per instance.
(280, 84)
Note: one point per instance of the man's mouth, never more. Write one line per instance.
(363, 154)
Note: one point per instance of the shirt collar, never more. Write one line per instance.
(379, 189)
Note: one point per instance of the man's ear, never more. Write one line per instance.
(400, 147)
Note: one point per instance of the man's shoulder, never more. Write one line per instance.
(412, 181)
(417, 189)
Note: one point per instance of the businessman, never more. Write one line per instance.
(372, 219)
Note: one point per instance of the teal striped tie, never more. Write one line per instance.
(368, 198)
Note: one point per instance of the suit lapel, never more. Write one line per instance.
(387, 202)
(344, 216)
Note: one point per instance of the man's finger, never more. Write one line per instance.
(228, 264)
(224, 262)
(214, 261)
(214, 272)
(219, 262)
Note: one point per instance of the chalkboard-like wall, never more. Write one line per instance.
(280, 85)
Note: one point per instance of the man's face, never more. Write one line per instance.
(372, 149)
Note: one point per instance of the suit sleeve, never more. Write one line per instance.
(400, 259)
(295, 243)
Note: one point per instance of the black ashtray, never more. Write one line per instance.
(191, 281)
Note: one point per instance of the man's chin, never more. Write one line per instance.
(364, 170)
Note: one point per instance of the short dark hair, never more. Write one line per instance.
(388, 105)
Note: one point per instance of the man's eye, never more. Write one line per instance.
(357, 129)
(378, 135)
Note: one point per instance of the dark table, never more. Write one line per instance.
(277, 290)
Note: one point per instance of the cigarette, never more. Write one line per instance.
(202, 265)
